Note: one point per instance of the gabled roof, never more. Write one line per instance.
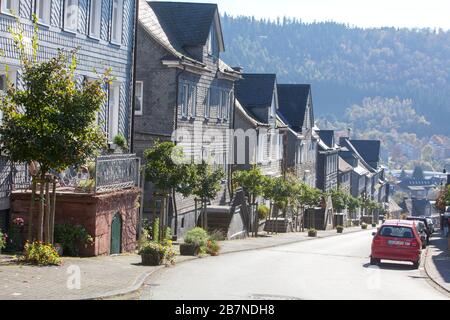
(344, 166)
(187, 24)
(255, 90)
(248, 116)
(368, 149)
(327, 136)
(293, 101)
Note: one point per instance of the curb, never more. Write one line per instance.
(435, 282)
(140, 280)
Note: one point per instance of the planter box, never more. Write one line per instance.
(340, 230)
(312, 233)
(151, 259)
(189, 249)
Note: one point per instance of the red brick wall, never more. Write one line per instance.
(94, 212)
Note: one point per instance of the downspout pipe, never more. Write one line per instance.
(133, 100)
(174, 202)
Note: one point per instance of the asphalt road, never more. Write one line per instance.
(329, 268)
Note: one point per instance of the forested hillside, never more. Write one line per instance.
(346, 65)
(388, 84)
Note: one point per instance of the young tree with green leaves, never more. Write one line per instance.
(340, 200)
(50, 121)
(252, 182)
(206, 185)
(353, 204)
(166, 169)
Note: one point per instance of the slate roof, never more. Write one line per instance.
(368, 149)
(255, 90)
(344, 166)
(186, 24)
(327, 136)
(293, 100)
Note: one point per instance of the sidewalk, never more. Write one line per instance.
(112, 276)
(437, 262)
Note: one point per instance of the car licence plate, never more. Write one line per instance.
(398, 243)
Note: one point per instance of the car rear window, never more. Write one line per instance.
(396, 232)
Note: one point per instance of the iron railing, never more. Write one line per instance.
(115, 172)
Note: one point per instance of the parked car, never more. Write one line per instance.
(425, 221)
(397, 240)
(422, 229)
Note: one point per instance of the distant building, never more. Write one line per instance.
(257, 100)
(327, 161)
(296, 107)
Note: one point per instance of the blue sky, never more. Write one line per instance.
(362, 13)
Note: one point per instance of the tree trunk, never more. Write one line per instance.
(40, 228)
(30, 219)
(256, 227)
(175, 210)
(205, 214)
(47, 212)
(52, 214)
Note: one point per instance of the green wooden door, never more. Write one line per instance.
(116, 235)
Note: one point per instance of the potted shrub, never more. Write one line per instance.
(2, 241)
(364, 225)
(340, 229)
(152, 254)
(212, 247)
(195, 240)
(263, 212)
(312, 233)
(374, 225)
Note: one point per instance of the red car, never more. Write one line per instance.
(397, 240)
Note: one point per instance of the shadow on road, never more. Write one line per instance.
(441, 260)
(391, 266)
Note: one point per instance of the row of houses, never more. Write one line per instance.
(171, 84)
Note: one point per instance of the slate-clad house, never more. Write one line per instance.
(327, 161)
(296, 107)
(184, 86)
(257, 100)
(364, 156)
(103, 32)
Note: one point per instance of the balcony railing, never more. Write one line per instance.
(115, 172)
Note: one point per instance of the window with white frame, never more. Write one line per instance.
(224, 104)
(207, 104)
(43, 9)
(192, 102)
(10, 6)
(117, 21)
(139, 98)
(113, 110)
(183, 99)
(71, 15)
(260, 154)
(95, 17)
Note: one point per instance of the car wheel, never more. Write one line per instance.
(416, 264)
(424, 246)
(374, 261)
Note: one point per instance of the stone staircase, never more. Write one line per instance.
(281, 225)
(219, 219)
